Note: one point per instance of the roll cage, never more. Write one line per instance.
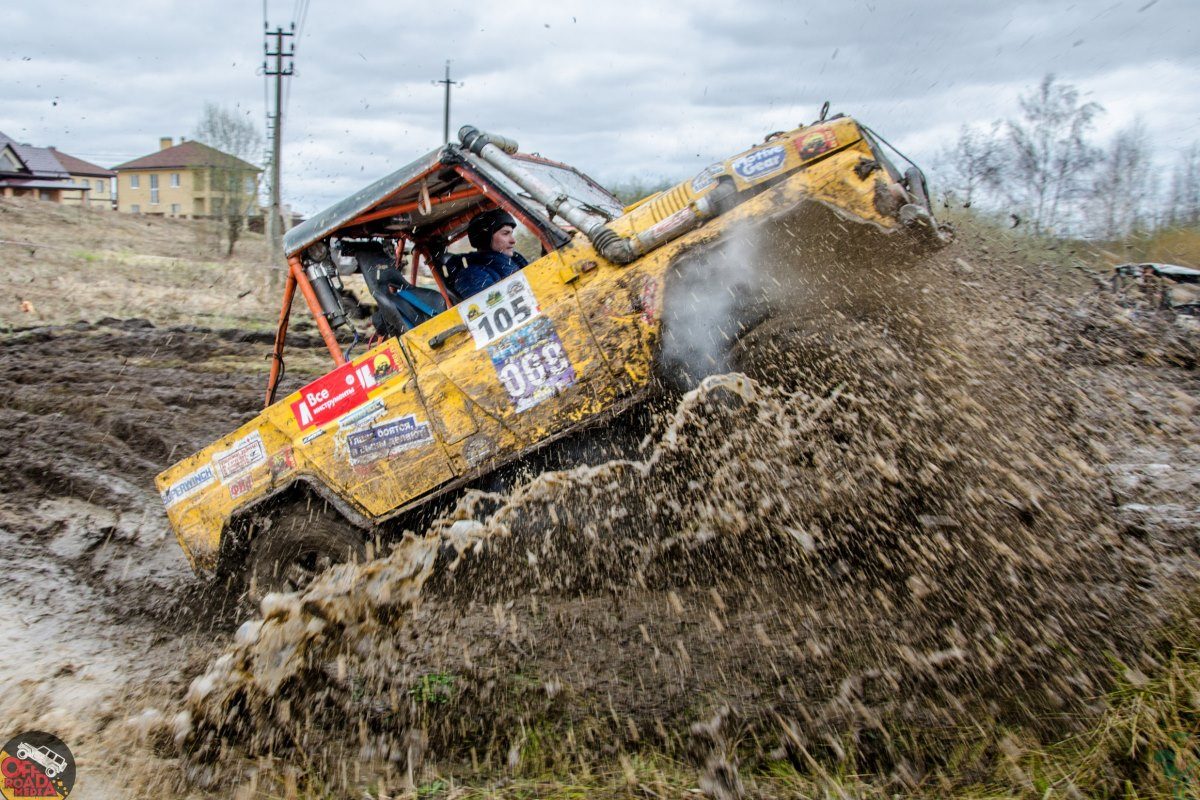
(420, 209)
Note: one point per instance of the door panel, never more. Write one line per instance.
(520, 352)
(364, 431)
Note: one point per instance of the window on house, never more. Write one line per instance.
(174, 209)
(134, 182)
(154, 190)
(135, 208)
(249, 184)
(100, 186)
(175, 179)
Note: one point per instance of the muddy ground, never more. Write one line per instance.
(99, 601)
(1020, 413)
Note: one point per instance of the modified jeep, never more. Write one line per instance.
(448, 388)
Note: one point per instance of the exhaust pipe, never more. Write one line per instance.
(497, 150)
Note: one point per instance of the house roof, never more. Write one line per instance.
(187, 155)
(39, 161)
(35, 183)
(77, 166)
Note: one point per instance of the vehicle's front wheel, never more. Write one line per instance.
(301, 543)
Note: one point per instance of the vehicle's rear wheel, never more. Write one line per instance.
(301, 542)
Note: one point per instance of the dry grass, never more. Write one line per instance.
(62, 264)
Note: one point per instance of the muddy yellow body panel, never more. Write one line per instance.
(552, 347)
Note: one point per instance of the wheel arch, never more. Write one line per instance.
(242, 525)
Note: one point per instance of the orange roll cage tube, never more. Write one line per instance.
(470, 177)
(289, 292)
(391, 211)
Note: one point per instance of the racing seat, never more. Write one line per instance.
(402, 306)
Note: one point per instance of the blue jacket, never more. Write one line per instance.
(483, 268)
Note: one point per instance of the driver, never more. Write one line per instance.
(491, 234)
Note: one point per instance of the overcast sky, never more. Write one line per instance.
(618, 88)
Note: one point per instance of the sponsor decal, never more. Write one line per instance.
(478, 447)
(515, 305)
(707, 177)
(532, 364)
(665, 228)
(760, 162)
(361, 416)
(648, 299)
(246, 453)
(240, 486)
(312, 437)
(187, 486)
(814, 142)
(282, 463)
(36, 764)
(342, 390)
(383, 366)
(387, 439)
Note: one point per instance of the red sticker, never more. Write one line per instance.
(342, 390)
(240, 487)
(813, 143)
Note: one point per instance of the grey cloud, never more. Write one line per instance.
(619, 88)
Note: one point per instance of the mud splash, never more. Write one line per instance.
(914, 523)
(913, 528)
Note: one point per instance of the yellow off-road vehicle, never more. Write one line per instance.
(449, 389)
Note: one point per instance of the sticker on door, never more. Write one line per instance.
(499, 309)
(532, 364)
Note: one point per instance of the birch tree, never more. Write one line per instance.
(231, 176)
(975, 165)
(1123, 185)
(1183, 199)
(1050, 154)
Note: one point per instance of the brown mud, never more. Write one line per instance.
(955, 503)
(100, 604)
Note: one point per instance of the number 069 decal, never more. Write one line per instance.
(499, 309)
(532, 365)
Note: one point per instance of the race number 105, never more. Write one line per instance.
(500, 321)
(500, 309)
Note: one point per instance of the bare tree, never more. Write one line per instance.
(231, 178)
(1050, 155)
(1183, 201)
(1123, 185)
(975, 164)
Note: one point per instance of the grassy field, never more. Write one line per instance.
(64, 264)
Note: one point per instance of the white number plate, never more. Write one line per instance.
(499, 309)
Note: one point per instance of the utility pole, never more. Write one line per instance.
(275, 218)
(446, 118)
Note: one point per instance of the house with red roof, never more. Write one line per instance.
(189, 179)
(49, 174)
(95, 182)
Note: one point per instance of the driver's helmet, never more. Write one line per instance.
(482, 226)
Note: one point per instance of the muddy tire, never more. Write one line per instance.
(299, 544)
